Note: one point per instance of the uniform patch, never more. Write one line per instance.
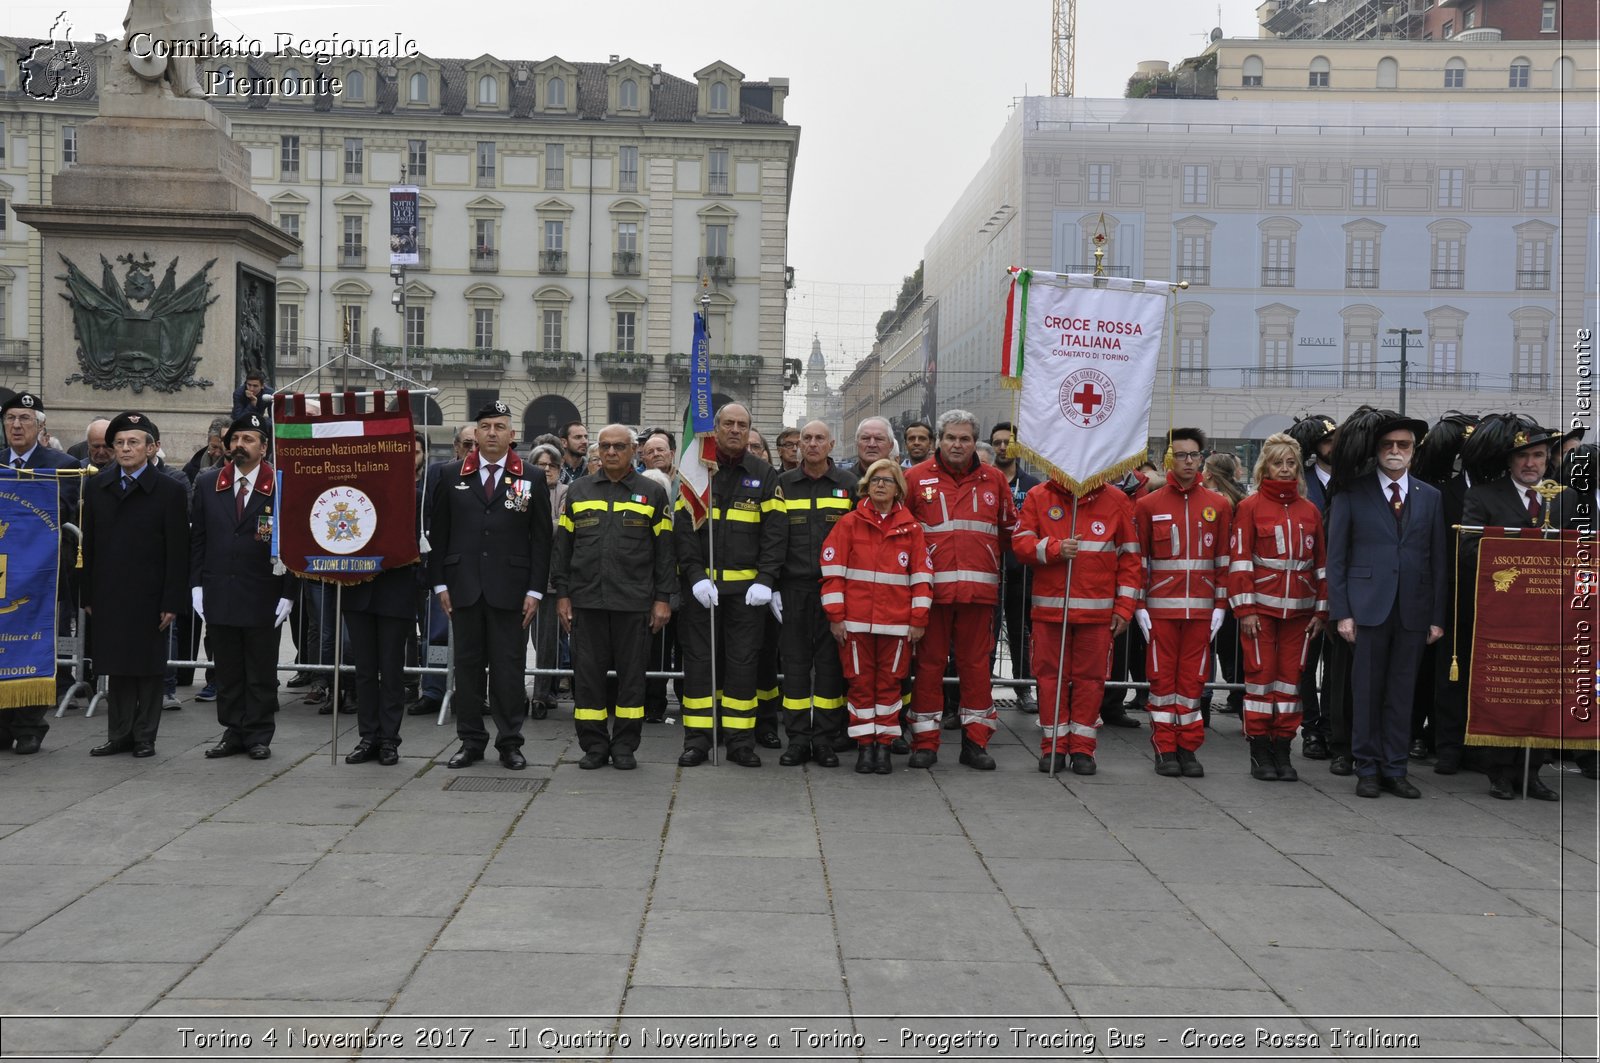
(932, 481)
(827, 553)
(905, 559)
(752, 482)
(1055, 512)
(1098, 527)
(988, 498)
(1208, 513)
(1208, 539)
(1311, 543)
(929, 494)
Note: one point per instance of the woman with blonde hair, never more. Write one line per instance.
(877, 588)
(1278, 588)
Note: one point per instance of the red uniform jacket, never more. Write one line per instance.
(1106, 575)
(1279, 555)
(876, 576)
(1184, 538)
(968, 518)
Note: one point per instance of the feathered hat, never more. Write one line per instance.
(1436, 458)
(1309, 431)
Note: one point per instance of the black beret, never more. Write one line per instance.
(23, 400)
(250, 422)
(131, 422)
(492, 408)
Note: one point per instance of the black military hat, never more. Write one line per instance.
(131, 422)
(1394, 422)
(1533, 437)
(492, 408)
(1311, 430)
(250, 422)
(23, 400)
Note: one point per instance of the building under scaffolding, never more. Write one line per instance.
(1342, 20)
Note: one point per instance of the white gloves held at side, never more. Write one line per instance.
(705, 592)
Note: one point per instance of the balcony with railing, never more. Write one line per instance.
(1360, 278)
(1197, 276)
(1272, 277)
(485, 260)
(625, 263)
(1356, 379)
(291, 261)
(1530, 381)
(1448, 279)
(424, 259)
(450, 361)
(1533, 280)
(294, 356)
(14, 353)
(551, 261)
(623, 365)
(550, 365)
(718, 267)
(352, 256)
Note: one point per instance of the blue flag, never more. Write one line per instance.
(30, 551)
(701, 415)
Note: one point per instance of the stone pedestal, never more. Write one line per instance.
(159, 183)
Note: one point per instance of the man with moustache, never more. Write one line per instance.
(234, 590)
(919, 443)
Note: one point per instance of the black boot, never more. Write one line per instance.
(1189, 764)
(1167, 765)
(1262, 766)
(1280, 759)
(866, 758)
(885, 763)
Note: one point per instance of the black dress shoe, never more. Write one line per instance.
(744, 756)
(1053, 762)
(923, 758)
(691, 757)
(223, 749)
(899, 747)
(423, 707)
(513, 760)
(363, 752)
(538, 709)
(975, 756)
(1314, 747)
(1367, 786)
(1418, 750)
(797, 753)
(109, 749)
(1083, 764)
(768, 740)
(1540, 792)
(595, 758)
(144, 749)
(1500, 789)
(624, 761)
(325, 707)
(843, 743)
(1167, 765)
(465, 758)
(260, 752)
(1400, 786)
(1189, 765)
(1342, 764)
(1449, 762)
(885, 763)
(25, 745)
(1118, 717)
(823, 756)
(300, 679)
(867, 759)
(388, 756)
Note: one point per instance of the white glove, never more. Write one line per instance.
(776, 605)
(282, 612)
(1142, 618)
(1216, 620)
(705, 592)
(758, 595)
(198, 598)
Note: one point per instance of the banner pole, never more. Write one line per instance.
(711, 563)
(1061, 650)
(338, 662)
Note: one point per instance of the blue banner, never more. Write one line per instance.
(701, 415)
(30, 550)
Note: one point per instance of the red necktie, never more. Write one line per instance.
(1395, 502)
(488, 482)
(1535, 511)
(238, 499)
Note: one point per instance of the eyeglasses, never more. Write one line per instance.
(1395, 444)
(788, 444)
(545, 464)
(1186, 455)
(613, 446)
(876, 480)
(19, 418)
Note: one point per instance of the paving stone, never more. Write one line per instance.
(60, 1038)
(148, 924)
(31, 892)
(912, 925)
(692, 949)
(219, 872)
(284, 802)
(1512, 863)
(797, 1006)
(84, 988)
(427, 832)
(275, 843)
(573, 862)
(1219, 855)
(74, 837)
(313, 957)
(398, 884)
(597, 816)
(1285, 916)
(513, 983)
(544, 919)
(1570, 1026)
(1156, 949)
(982, 985)
(1378, 886)
(1072, 834)
(924, 862)
(1335, 981)
(760, 883)
(1572, 910)
(1526, 952)
(742, 832)
(1121, 885)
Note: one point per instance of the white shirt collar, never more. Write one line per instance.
(1404, 482)
(26, 455)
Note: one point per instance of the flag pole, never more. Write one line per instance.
(711, 546)
(1061, 650)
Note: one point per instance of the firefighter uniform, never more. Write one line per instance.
(1183, 536)
(744, 536)
(614, 558)
(1106, 581)
(967, 518)
(1278, 575)
(813, 684)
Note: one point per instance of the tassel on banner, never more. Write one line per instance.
(1080, 488)
(21, 693)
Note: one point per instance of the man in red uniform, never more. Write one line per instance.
(1183, 533)
(968, 516)
(1095, 540)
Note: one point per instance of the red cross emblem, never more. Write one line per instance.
(1086, 399)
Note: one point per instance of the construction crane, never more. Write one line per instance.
(1063, 47)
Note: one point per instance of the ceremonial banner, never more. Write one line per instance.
(30, 549)
(347, 509)
(403, 226)
(1533, 678)
(697, 449)
(1084, 351)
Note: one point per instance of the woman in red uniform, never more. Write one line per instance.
(1278, 588)
(877, 586)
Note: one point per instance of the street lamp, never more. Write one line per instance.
(398, 299)
(1403, 333)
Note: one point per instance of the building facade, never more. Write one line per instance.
(572, 218)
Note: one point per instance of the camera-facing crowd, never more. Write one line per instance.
(823, 607)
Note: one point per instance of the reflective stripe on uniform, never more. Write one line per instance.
(962, 575)
(566, 524)
(827, 703)
(922, 722)
(747, 516)
(630, 712)
(1186, 564)
(902, 630)
(1045, 602)
(732, 574)
(833, 598)
(982, 526)
(1282, 564)
(1272, 601)
(1182, 719)
(1092, 546)
(1154, 602)
(584, 507)
(738, 704)
(598, 715)
(1039, 551)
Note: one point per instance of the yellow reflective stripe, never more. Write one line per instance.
(632, 712)
(772, 504)
(696, 721)
(797, 704)
(739, 704)
(835, 503)
(680, 504)
(663, 525)
(584, 507)
(696, 703)
(567, 524)
(739, 723)
(738, 516)
(828, 703)
(731, 574)
(633, 507)
(589, 714)
(766, 695)
(796, 503)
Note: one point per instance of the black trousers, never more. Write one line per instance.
(23, 722)
(813, 677)
(1384, 680)
(247, 683)
(1127, 663)
(767, 675)
(1337, 691)
(133, 708)
(1013, 615)
(492, 639)
(740, 631)
(378, 650)
(664, 657)
(606, 640)
(1312, 720)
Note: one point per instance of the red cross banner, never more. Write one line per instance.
(1084, 352)
(347, 509)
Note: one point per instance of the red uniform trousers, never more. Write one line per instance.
(1273, 661)
(1088, 655)
(1177, 663)
(968, 629)
(874, 666)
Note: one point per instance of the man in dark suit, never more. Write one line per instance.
(1315, 434)
(136, 574)
(1510, 501)
(22, 729)
(1386, 591)
(491, 535)
(234, 590)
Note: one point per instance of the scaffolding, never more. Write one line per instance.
(1344, 20)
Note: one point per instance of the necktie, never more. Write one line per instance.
(16, 463)
(239, 499)
(1535, 510)
(1395, 502)
(489, 481)
(127, 483)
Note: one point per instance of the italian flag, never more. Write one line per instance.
(1016, 315)
(697, 460)
(383, 426)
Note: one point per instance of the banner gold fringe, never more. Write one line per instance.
(1532, 743)
(23, 693)
(1011, 383)
(1081, 488)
